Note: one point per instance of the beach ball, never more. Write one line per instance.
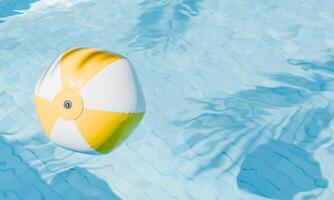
(89, 100)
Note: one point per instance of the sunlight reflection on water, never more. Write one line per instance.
(239, 99)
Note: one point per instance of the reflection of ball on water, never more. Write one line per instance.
(89, 100)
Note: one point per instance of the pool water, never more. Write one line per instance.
(239, 98)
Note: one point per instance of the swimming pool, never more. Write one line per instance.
(239, 99)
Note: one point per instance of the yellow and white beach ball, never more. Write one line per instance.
(89, 100)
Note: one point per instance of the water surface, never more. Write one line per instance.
(239, 99)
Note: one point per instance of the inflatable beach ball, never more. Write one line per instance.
(89, 100)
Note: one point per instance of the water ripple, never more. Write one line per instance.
(259, 116)
(228, 115)
(13, 7)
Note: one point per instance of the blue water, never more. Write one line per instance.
(239, 99)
